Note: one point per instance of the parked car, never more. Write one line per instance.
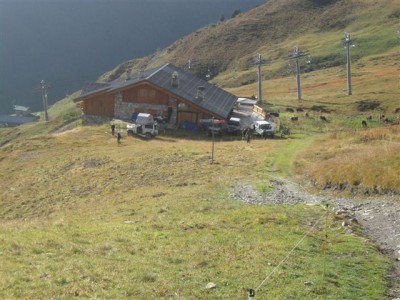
(211, 126)
(233, 126)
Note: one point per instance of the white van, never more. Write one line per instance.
(264, 128)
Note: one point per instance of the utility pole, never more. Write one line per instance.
(296, 55)
(45, 87)
(259, 62)
(212, 136)
(348, 43)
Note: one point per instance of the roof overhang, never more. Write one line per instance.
(90, 95)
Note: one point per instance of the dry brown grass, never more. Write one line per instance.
(366, 161)
(53, 168)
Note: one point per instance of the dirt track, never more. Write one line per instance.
(379, 216)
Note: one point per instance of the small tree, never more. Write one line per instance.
(236, 12)
(222, 18)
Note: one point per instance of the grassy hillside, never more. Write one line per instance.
(273, 29)
(83, 217)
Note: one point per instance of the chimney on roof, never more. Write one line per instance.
(200, 92)
(175, 79)
(141, 73)
(128, 76)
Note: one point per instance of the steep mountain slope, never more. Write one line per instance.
(68, 42)
(273, 29)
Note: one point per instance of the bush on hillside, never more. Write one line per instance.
(395, 14)
(323, 2)
(236, 13)
(365, 105)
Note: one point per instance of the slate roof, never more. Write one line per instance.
(94, 87)
(21, 108)
(215, 100)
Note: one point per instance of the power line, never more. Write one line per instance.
(284, 259)
(252, 292)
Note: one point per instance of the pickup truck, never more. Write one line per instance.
(264, 129)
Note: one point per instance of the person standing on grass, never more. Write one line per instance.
(119, 137)
(245, 132)
(248, 135)
(112, 129)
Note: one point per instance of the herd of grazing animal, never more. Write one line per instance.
(383, 119)
(295, 118)
(364, 123)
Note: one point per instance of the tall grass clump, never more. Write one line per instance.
(366, 161)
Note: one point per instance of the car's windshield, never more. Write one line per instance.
(233, 123)
(265, 126)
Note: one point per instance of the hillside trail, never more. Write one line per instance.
(379, 216)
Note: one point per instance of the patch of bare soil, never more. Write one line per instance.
(379, 216)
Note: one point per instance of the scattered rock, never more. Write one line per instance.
(211, 286)
(378, 215)
(345, 223)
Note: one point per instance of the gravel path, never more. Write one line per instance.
(379, 216)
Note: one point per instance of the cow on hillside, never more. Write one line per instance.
(289, 109)
(323, 118)
(364, 124)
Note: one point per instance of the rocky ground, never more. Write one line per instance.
(379, 216)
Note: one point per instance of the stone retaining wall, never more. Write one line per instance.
(92, 119)
(124, 110)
